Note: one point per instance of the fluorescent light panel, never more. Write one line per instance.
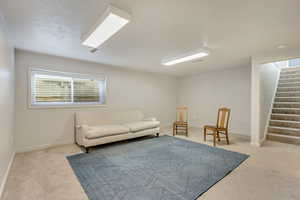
(186, 58)
(110, 23)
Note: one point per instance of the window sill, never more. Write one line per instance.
(66, 106)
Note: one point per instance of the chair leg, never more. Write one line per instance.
(227, 139)
(218, 134)
(187, 131)
(173, 129)
(215, 135)
(204, 133)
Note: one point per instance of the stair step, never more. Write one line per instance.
(289, 80)
(294, 84)
(283, 138)
(289, 69)
(286, 105)
(293, 111)
(288, 89)
(284, 125)
(287, 76)
(284, 73)
(287, 124)
(287, 99)
(286, 117)
(288, 94)
(284, 131)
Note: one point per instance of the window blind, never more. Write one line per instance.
(86, 90)
(52, 88)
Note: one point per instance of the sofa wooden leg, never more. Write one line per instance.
(87, 149)
(157, 134)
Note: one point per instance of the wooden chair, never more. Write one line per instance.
(181, 123)
(221, 127)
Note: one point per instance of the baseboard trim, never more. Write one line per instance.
(261, 142)
(41, 147)
(231, 133)
(258, 143)
(2, 186)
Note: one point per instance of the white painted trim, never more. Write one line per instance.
(2, 186)
(255, 104)
(41, 146)
(197, 124)
(248, 136)
(271, 106)
(256, 144)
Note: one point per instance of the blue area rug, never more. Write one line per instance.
(163, 168)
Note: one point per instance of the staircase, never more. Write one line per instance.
(284, 125)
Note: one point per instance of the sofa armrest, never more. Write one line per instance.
(150, 119)
(80, 133)
(81, 126)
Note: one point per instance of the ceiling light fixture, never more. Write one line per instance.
(186, 57)
(109, 23)
(282, 46)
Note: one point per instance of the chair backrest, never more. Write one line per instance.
(223, 118)
(182, 114)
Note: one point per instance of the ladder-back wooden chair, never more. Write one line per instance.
(221, 127)
(181, 123)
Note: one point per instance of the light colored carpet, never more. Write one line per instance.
(271, 172)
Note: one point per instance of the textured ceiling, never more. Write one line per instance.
(233, 30)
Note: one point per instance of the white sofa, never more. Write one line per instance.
(100, 127)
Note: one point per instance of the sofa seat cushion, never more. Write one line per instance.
(142, 125)
(105, 130)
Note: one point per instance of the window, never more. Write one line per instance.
(294, 62)
(59, 88)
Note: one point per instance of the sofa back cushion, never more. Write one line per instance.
(94, 118)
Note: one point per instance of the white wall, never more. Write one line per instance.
(37, 128)
(6, 104)
(207, 92)
(269, 75)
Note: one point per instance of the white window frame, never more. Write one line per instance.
(67, 75)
